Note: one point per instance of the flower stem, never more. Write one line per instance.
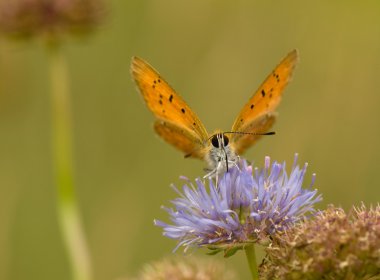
(68, 214)
(251, 258)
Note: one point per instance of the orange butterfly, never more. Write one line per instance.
(177, 124)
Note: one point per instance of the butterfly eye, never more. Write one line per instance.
(214, 141)
(225, 140)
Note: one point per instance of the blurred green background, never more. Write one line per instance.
(215, 54)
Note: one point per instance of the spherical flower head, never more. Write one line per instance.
(189, 268)
(26, 18)
(247, 206)
(333, 245)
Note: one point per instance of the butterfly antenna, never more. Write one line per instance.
(250, 133)
(239, 132)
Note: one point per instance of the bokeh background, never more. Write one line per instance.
(215, 54)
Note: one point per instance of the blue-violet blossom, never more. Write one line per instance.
(246, 206)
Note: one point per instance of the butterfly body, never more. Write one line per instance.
(178, 125)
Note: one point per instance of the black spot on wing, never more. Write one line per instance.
(276, 76)
(263, 93)
(252, 106)
(171, 98)
(183, 110)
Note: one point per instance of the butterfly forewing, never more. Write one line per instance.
(176, 122)
(183, 139)
(257, 116)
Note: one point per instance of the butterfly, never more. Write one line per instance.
(178, 125)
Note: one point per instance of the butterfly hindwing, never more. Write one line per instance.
(260, 125)
(183, 139)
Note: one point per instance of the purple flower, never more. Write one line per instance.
(245, 207)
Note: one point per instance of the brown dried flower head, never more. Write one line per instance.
(26, 18)
(186, 268)
(333, 245)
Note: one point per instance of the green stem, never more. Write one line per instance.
(68, 214)
(251, 258)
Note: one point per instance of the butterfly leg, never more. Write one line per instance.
(214, 173)
(210, 174)
(219, 169)
(234, 163)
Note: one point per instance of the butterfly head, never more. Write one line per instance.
(219, 140)
(221, 154)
